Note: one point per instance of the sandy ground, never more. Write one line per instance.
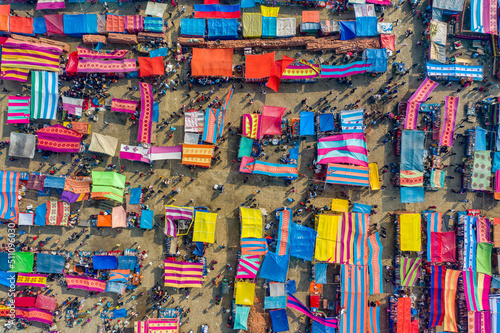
(273, 191)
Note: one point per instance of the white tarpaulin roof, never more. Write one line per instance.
(156, 9)
(22, 145)
(103, 144)
(286, 27)
(438, 32)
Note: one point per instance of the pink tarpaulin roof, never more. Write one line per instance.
(46, 303)
(271, 120)
(118, 217)
(55, 24)
(59, 139)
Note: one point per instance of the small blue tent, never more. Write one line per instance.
(347, 30)
(302, 242)
(320, 272)
(80, 24)
(40, 213)
(361, 208)
(326, 122)
(279, 320)
(412, 194)
(193, 27)
(377, 58)
(269, 27)
(366, 26)
(307, 123)
(48, 263)
(222, 29)
(127, 262)
(147, 219)
(104, 262)
(274, 267)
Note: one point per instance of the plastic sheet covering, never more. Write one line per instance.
(127, 262)
(269, 27)
(481, 171)
(443, 246)
(347, 30)
(302, 242)
(48, 263)
(279, 320)
(320, 272)
(7, 277)
(258, 66)
(327, 247)
(245, 147)
(388, 41)
(22, 145)
(241, 317)
(286, 27)
(204, 227)
(4, 17)
(340, 205)
(274, 302)
(438, 32)
(40, 213)
(115, 23)
(480, 139)
(252, 25)
(153, 24)
(203, 64)
(366, 26)
(361, 208)
(23, 262)
(156, 9)
(274, 267)
(54, 24)
(25, 302)
(317, 327)
(271, 120)
(39, 25)
(21, 25)
(276, 289)
(80, 24)
(118, 217)
(222, 29)
(4, 262)
(193, 27)
(103, 144)
(46, 303)
(150, 66)
(483, 259)
(451, 5)
(104, 262)
(410, 235)
(377, 58)
(245, 293)
(147, 219)
(307, 123)
(326, 122)
(412, 150)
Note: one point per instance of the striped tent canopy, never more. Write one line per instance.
(18, 54)
(342, 174)
(18, 110)
(410, 271)
(343, 148)
(248, 267)
(44, 95)
(180, 274)
(352, 121)
(163, 325)
(254, 246)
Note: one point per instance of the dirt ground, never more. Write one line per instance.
(273, 191)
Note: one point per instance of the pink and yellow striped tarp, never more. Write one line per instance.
(183, 274)
(450, 292)
(354, 239)
(32, 280)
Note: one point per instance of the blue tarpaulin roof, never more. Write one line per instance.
(290, 287)
(269, 25)
(40, 213)
(326, 122)
(361, 208)
(161, 52)
(222, 28)
(307, 123)
(366, 26)
(274, 267)
(496, 162)
(127, 262)
(115, 287)
(320, 272)
(156, 111)
(412, 150)
(377, 58)
(302, 242)
(48, 263)
(241, 317)
(480, 139)
(104, 262)
(412, 194)
(147, 219)
(192, 27)
(39, 25)
(347, 30)
(153, 24)
(199, 249)
(247, 3)
(320, 328)
(279, 320)
(120, 313)
(4, 278)
(135, 196)
(54, 182)
(274, 302)
(4, 262)
(294, 153)
(80, 24)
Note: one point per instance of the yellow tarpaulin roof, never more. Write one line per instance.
(329, 228)
(251, 223)
(204, 227)
(374, 177)
(410, 234)
(245, 293)
(340, 205)
(269, 11)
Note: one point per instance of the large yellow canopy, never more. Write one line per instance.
(329, 228)
(340, 205)
(410, 234)
(204, 227)
(245, 293)
(251, 223)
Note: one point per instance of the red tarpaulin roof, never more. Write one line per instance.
(24, 302)
(277, 71)
(258, 66)
(21, 25)
(271, 120)
(212, 62)
(46, 303)
(55, 24)
(151, 66)
(72, 64)
(388, 41)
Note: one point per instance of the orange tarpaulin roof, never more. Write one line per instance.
(115, 23)
(259, 66)
(199, 155)
(310, 16)
(151, 66)
(4, 9)
(388, 41)
(4, 22)
(104, 220)
(212, 62)
(21, 25)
